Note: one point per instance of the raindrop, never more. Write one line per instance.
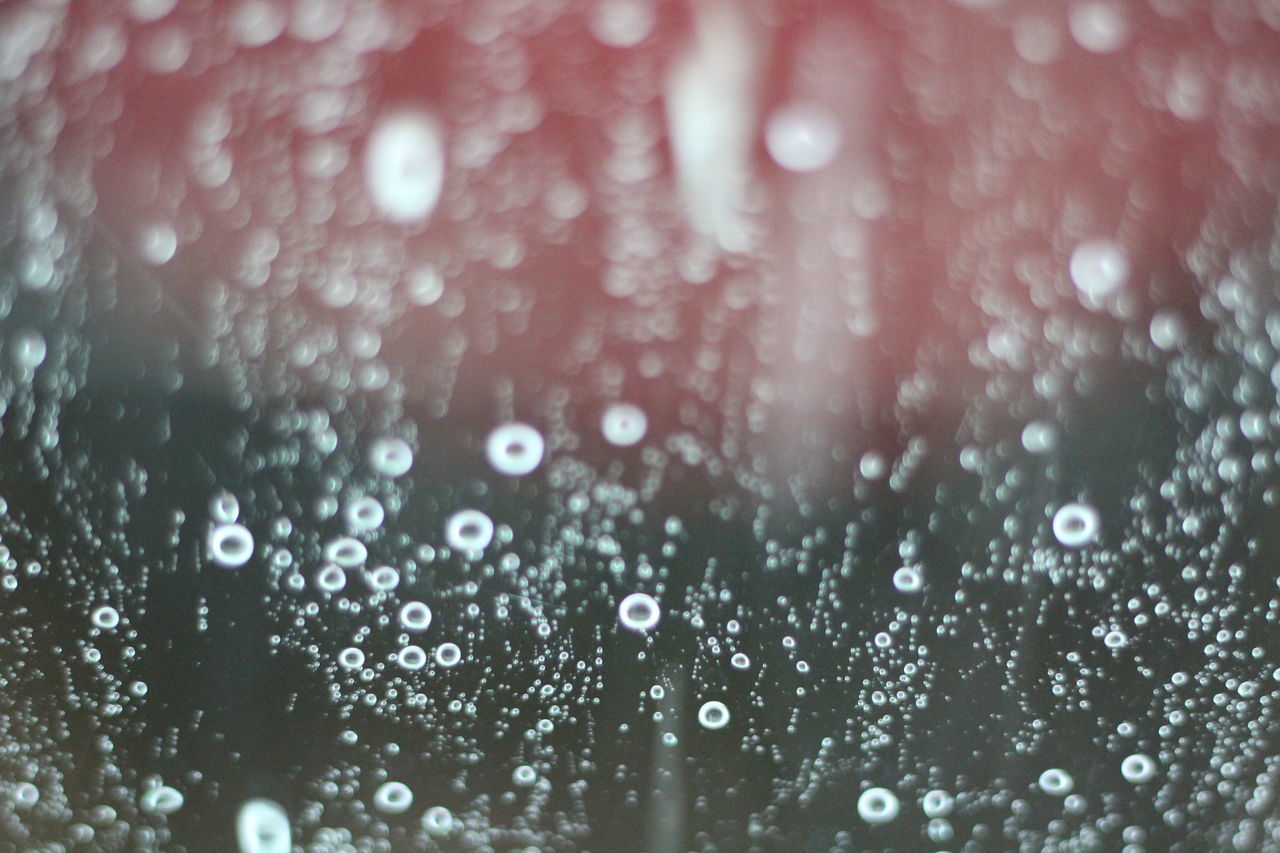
(151, 10)
(621, 23)
(1168, 330)
(1115, 639)
(1138, 768)
(383, 579)
(365, 514)
(1076, 525)
(29, 350)
(713, 715)
(639, 612)
(937, 803)
(878, 805)
(802, 137)
(623, 424)
(448, 654)
(161, 799)
(412, 657)
(908, 579)
(316, 20)
(263, 827)
(346, 552)
(1039, 437)
(351, 658)
(1038, 39)
(424, 286)
(224, 508)
(390, 456)
(25, 795)
(1056, 782)
(230, 545)
(105, 618)
(469, 530)
(514, 449)
(331, 579)
(255, 23)
(157, 244)
(1098, 26)
(415, 616)
(437, 821)
(1099, 268)
(404, 166)
(392, 798)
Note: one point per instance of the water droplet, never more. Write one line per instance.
(623, 424)
(514, 449)
(802, 137)
(878, 805)
(392, 798)
(1099, 268)
(713, 715)
(404, 166)
(263, 827)
(639, 612)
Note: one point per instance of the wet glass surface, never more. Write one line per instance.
(639, 425)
